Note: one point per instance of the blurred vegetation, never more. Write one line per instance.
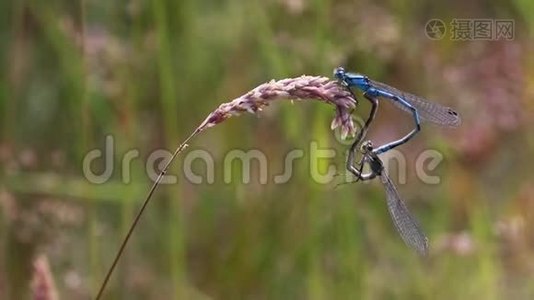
(148, 72)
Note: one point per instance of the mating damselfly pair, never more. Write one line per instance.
(421, 110)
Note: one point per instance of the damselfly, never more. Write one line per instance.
(403, 221)
(420, 108)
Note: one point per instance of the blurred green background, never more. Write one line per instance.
(147, 72)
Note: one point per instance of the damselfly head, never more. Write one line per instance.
(339, 73)
(366, 147)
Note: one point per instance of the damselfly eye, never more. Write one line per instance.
(339, 72)
(367, 146)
